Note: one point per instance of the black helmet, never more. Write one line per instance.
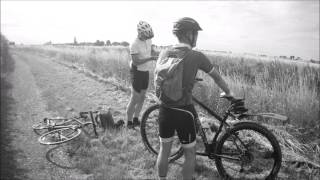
(185, 24)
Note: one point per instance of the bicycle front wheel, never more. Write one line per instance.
(248, 151)
(59, 136)
(49, 124)
(150, 134)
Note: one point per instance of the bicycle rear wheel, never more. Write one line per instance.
(149, 129)
(48, 124)
(248, 151)
(63, 156)
(59, 136)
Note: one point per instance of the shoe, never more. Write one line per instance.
(130, 125)
(136, 122)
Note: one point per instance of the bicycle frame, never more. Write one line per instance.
(93, 120)
(80, 124)
(209, 147)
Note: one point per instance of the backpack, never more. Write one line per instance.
(169, 75)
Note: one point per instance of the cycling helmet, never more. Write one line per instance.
(144, 29)
(185, 24)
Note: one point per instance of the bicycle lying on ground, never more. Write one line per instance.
(241, 149)
(55, 131)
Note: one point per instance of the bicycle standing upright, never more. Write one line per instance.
(241, 149)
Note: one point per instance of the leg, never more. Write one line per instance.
(162, 160)
(138, 107)
(186, 129)
(143, 85)
(132, 104)
(189, 162)
(166, 132)
(135, 91)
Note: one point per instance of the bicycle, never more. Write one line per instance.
(240, 145)
(61, 130)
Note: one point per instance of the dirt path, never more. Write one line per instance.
(42, 88)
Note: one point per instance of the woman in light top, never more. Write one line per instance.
(140, 51)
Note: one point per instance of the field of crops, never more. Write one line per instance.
(291, 89)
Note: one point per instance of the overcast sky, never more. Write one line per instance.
(262, 27)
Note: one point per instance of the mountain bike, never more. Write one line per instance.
(241, 149)
(55, 131)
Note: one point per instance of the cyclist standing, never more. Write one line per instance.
(140, 51)
(180, 116)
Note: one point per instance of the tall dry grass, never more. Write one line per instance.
(106, 61)
(268, 86)
(291, 89)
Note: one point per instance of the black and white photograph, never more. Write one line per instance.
(160, 90)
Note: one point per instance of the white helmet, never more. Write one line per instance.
(144, 29)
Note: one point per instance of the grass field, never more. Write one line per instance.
(291, 89)
(268, 86)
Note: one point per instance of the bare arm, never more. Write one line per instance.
(137, 61)
(218, 80)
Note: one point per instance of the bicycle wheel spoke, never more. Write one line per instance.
(254, 151)
(62, 137)
(62, 156)
(59, 136)
(153, 132)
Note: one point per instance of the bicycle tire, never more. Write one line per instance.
(151, 140)
(42, 126)
(59, 136)
(268, 158)
(62, 156)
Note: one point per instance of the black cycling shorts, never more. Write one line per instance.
(180, 119)
(139, 79)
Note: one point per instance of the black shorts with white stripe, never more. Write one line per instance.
(179, 119)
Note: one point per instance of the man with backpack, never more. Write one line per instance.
(175, 74)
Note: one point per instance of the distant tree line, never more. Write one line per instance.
(96, 43)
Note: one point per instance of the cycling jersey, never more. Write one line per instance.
(194, 61)
(143, 50)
